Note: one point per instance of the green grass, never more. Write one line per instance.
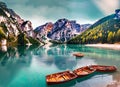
(2, 34)
(33, 41)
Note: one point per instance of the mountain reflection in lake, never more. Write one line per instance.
(24, 66)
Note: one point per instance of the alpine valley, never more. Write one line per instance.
(61, 52)
(16, 31)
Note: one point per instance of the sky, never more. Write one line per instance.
(83, 11)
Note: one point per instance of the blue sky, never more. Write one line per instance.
(42, 11)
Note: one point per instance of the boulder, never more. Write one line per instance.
(117, 13)
(3, 42)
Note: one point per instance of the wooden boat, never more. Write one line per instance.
(84, 71)
(78, 54)
(102, 68)
(60, 77)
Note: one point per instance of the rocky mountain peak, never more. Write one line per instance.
(62, 30)
(12, 26)
(117, 13)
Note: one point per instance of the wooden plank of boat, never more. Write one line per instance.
(103, 68)
(60, 77)
(84, 71)
(78, 54)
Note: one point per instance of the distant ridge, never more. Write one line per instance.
(61, 31)
(105, 30)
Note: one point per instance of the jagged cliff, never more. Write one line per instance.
(14, 29)
(61, 31)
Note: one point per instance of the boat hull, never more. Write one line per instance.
(61, 74)
(78, 54)
(102, 68)
(84, 71)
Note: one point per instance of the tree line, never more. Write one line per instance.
(107, 32)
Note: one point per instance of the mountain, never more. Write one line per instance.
(106, 30)
(14, 29)
(83, 27)
(42, 31)
(61, 31)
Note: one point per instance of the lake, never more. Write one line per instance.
(27, 66)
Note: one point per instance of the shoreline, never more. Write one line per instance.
(106, 46)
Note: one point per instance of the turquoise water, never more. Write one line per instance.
(28, 66)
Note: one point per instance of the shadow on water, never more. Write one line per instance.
(66, 84)
(95, 75)
(63, 63)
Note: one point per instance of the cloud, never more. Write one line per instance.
(14, 2)
(42, 11)
(39, 20)
(85, 9)
(39, 14)
(85, 21)
(107, 6)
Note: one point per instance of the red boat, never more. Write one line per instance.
(84, 71)
(60, 77)
(78, 54)
(102, 68)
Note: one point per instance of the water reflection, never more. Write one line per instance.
(3, 48)
(63, 63)
(22, 62)
(93, 81)
(15, 55)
